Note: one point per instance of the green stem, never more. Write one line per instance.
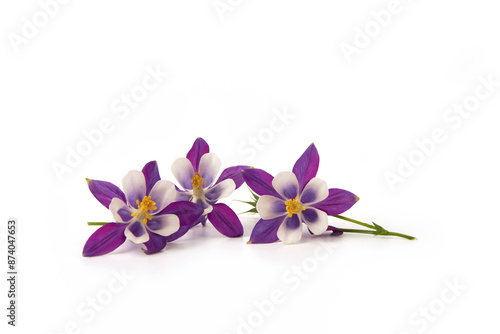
(348, 230)
(355, 221)
(375, 229)
(95, 224)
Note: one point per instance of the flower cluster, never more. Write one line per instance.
(154, 212)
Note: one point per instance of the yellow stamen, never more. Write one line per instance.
(197, 181)
(294, 206)
(143, 209)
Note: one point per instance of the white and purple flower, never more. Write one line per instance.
(292, 198)
(146, 212)
(196, 174)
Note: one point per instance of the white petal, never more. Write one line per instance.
(164, 224)
(220, 190)
(134, 186)
(209, 167)
(163, 193)
(122, 213)
(286, 185)
(140, 235)
(316, 220)
(290, 230)
(183, 195)
(315, 191)
(183, 171)
(270, 207)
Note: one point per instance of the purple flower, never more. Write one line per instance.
(197, 176)
(145, 213)
(292, 198)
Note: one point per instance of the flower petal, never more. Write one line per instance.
(183, 171)
(105, 240)
(200, 147)
(104, 191)
(155, 244)
(315, 191)
(209, 167)
(163, 193)
(134, 185)
(270, 207)
(121, 212)
(306, 166)
(164, 224)
(137, 233)
(234, 173)
(286, 184)
(290, 231)
(188, 214)
(225, 220)
(316, 220)
(266, 231)
(338, 201)
(220, 190)
(182, 195)
(151, 174)
(335, 231)
(259, 181)
(202, 220)
(207, 207)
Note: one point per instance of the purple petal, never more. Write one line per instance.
(234, 173)
(338, 201)
(202, 220)
(335, 231)
(199, 148)
(266, 231)
(155, 243)
(104, 191)
(105, 240)
(188, 214)
(260, 182)
(306, 166)
(225, 220)
(151, 174)
(182, 230)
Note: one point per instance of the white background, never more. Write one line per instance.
(228, 74)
